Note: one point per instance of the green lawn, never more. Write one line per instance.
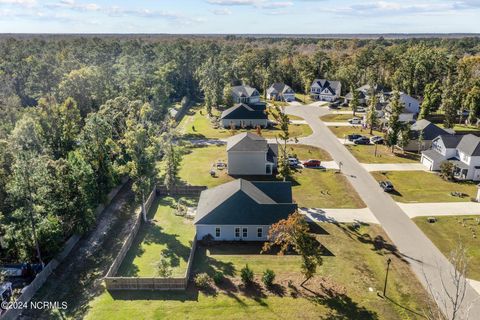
(462, 128)
(345, 287)
(303, 98)
(449, 231)
(336, 117)
(342, 131)
(421, 186)
(196, 124)
(366, 154)
(311, 187)
(169, 235)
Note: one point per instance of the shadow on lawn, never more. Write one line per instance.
(191, 294)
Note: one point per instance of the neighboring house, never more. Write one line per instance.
(429, 132)
(243, 210)
(462, 151)
(251, 154)
(325, 90)
(411, 108)
(365, 91)
(245, 94)
(243, 116)
(281, 92)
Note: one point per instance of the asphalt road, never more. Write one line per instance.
(427, 262)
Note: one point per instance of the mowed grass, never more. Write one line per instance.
(311, 187)
(168, 235)
(366, 154)
(343, 131)
(196, 124)
(462, 128)
(303, 98)
(337, 117)
(354, 272)
(421, 186)
(450, 231)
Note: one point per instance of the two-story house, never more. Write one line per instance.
(325, 90)
(281, 92)
(411, 108)
(251, 154)
(462, 151)
(422, 133)
(364, 92)
(245, 94)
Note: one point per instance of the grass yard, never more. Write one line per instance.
(311, 187)
(197, 125)
(303, 98)
(342, 131)
(366, 154)
(345, 286)
(461, 128)
(169, 235)
(449, 231)
(336, 117)
(421, 186)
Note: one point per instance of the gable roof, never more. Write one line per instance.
(241, 202)
(278, 87)
(332, 86)
(450, 141)
(244, 91)
(470, 145)
(430, 130)
(243, 111)
(247, 141)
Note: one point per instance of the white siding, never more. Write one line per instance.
(227, 232)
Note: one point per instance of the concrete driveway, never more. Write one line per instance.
(339, 215)
(427, 262)
(440, 209)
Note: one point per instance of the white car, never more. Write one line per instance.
(293, 162)
(355, 121)
(361, 109)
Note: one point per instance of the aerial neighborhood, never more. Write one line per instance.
(240, 177)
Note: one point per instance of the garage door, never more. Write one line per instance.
(427, 163)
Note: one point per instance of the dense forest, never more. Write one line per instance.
(78, 114)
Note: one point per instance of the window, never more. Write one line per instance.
(245, 233)
(260, 232)
(217, 232)
(237, 232)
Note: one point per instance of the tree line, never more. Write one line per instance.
(77, 114)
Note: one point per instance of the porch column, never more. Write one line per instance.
(478, 193)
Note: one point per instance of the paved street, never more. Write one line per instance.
(425, 259)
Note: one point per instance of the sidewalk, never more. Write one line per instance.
(440, 209)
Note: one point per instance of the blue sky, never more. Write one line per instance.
(239, 16)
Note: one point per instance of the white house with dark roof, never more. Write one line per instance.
(281, 92)
(245, 94)
(325, 90)
(242, 115)
(251, 154)
(242, 210)
(427, 130)
(462, 151)
(365, 91)
(411, 108)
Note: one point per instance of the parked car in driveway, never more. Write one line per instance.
(353, 136)
(362, 140)
(311, 163)
(293, 162)
(387, 186)
(355, 121)
(376, 140)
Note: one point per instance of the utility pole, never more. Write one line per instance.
(386, 277)
(375, 150)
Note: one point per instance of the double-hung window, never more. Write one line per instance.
(244, 232)
(237, 232)
(260, 232)
(217, 232)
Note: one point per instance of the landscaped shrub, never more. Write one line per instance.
(218, 278)
(163, 268)
(247, 275)
(268, 277)
(202, 280)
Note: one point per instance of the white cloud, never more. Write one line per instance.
(222, 12)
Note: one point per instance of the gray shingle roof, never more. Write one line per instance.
(244, 91)
(243, 111)
(433, 155)
(241, 202)
(278, 87)
(430, 130)
(247, 141)
(331, 85)
(470, 145)
(450, 141)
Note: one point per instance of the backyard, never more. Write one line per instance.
(197, 125)
(366, 154)
(345, 286)
(344, 131)
(168, 235)
(449, 231)
(312, 188)
(421, 186)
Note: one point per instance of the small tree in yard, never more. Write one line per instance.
(294, 232)
(372, 118)
(404, 138)
(247, 275)
(268, 278)
(283, 121)
(202, 280)
(446, 170)
(163, 269)
(394, 124)
(354, 103)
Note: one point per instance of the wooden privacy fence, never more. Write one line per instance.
(181, 190)
(143, 283)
